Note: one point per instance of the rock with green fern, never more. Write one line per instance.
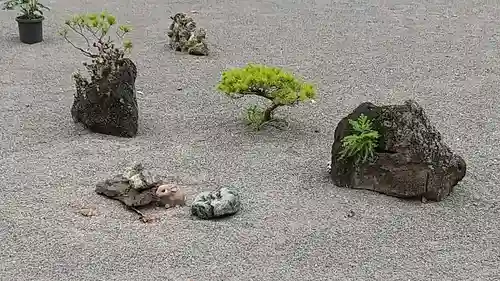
(394, 150)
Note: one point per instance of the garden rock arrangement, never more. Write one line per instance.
(133, 188)
(218, 203)
(391, 149)
(185, 37)
(411, 160)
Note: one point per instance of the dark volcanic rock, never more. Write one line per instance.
(410, 161)
(110, 106)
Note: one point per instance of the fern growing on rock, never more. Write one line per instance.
(360, 146)
(276, 85)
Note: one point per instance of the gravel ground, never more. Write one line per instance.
(294, 225)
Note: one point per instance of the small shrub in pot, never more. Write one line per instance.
(30, 22)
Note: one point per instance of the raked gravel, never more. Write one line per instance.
(294, 224)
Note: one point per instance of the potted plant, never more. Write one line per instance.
(30, 20)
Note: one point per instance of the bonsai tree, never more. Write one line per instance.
(361, 144)
(30, 20)
(106, 56)
(278, 86)
(107, 102)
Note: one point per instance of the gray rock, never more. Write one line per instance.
(411, 159)
(198, 49)
(113, 187)
(124, 188)
(218, 203)
(136, 177)
(185, 37)
(108, 106)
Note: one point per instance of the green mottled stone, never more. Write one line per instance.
(218, 203)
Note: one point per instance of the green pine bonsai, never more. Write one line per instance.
(361, 145)
(274, 84)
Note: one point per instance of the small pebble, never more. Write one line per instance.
(88, 212)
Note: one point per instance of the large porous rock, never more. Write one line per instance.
(132, 188)
(218, 203)
(411, 159)
(185, 37)
(108, 106)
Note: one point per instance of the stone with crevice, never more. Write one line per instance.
(411, 159)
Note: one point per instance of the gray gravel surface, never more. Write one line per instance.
(294, 223)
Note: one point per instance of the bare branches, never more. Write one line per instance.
(86, 53)
(120, 35)
(260, 93)
(79, 32)
(94, 33)
(95, 27)
(106, 57)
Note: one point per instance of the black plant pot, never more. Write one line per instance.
(30, 30)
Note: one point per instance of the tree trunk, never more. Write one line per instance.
(269, 111)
